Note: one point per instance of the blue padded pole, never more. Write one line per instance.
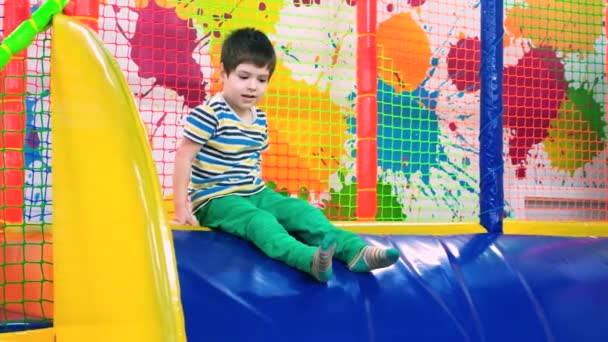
(491, 168)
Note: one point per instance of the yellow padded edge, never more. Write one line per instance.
(397, 228)
(510, 227)
(38, 335)
(572, 228)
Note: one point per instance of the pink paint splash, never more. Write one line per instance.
(162, 48)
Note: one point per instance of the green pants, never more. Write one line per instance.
(284, 228)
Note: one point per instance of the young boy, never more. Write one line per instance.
(217, 167)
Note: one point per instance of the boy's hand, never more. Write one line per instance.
(183, 216)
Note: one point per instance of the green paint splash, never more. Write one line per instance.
(342, 205)
(577, 135)
(303, 194)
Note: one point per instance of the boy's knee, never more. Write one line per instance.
(260, 224)
(260, 218)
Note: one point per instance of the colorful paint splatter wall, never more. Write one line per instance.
(554, 92)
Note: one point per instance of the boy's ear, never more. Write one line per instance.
(223, 74)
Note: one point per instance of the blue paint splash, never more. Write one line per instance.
(32, 139)
(37, 151)
(33, 146)
(408, 131)
(409, 142)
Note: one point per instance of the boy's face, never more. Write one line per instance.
(245, 86)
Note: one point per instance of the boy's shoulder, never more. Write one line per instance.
(218, 107)
(218, 103)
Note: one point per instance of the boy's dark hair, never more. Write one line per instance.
(248, 45)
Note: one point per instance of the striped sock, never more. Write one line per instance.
(321, 268)
(370, 258)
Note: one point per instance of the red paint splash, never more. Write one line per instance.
(162, 48)
(464, 61)
(533, 91)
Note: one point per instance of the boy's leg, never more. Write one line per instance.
(311, 225)
(236, 215)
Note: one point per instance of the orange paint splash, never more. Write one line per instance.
(404, 52)
(307, 132)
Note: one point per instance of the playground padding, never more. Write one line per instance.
(474, 287)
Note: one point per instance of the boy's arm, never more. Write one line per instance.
(266, 145)
(200, 124)
(184, 157)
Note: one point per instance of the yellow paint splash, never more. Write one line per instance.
(404, 52)
(219, 17)
(572, 141)
(570, 26)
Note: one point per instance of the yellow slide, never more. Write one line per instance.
(115, 277)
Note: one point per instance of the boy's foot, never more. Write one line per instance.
(321, 268)
(370, 258)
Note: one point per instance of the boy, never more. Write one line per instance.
(217, 167)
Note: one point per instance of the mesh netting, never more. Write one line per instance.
(555, 111)
(170, 55)
(25, 243)
(428, 61)
(428, 110)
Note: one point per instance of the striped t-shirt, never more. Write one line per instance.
(230, 157)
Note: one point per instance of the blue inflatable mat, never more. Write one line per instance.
(483, 287)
